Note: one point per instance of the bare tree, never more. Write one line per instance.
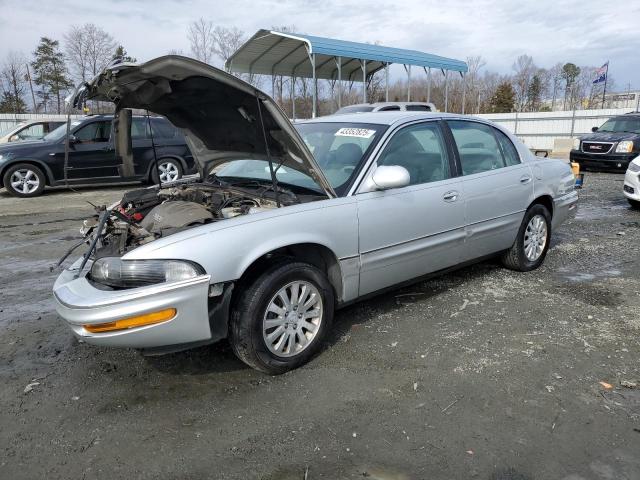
(200, 36)
(12, 79)
(89, 49)
(226, 41)
(524, 69)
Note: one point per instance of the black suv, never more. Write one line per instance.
(610, 147)
(26, 167)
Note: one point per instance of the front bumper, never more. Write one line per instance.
(615, 162)
(79, 303)
(631, 187)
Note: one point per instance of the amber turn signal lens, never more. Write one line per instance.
(132, 322)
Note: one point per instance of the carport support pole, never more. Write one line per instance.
(386, 82)
(314, 108)
(364, 81)
(463, 90)
(446, 90)
(428, 72)
(293, 98)
(408, 83)
(339, 82)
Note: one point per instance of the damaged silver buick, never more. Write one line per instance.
(286, 224)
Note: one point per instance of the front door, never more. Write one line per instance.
(92, 155)
(414, 230)
(497, 186)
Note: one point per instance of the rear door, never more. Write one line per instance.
(411, 231)
(497, 186)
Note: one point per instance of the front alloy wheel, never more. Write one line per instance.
(24, 180)
(280, 319)
(292, 319)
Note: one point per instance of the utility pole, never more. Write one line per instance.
(33, 97)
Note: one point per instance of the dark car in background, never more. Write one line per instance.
(29, 130)
(27, 167)
(610, 147)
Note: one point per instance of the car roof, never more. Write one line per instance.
(382, 118)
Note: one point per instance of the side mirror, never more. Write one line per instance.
(14, 138)
(594, 129)
(392, 176)
(73, 140)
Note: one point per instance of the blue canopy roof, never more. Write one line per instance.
(271, 52)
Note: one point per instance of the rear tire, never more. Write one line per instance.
(169, 170)
(635, 204)
(24, 180)
(275, 336)
(532, 243)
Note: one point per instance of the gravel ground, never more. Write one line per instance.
(484, 373)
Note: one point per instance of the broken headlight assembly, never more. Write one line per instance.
(118, 273)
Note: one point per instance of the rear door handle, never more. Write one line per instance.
(525, 179)
(451, 196)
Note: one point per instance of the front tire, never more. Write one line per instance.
(532, 243)
(169, 170)
(280, 320)
(635, 204)
(24, 180)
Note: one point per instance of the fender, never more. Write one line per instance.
(50, 180)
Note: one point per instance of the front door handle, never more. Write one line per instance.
(525, 179)
(451, 196)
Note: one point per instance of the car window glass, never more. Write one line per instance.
(508, 149)
(34, 131)
(95, 132)
(420, 149)
(418, 108)
(162, 128)
(138, 128)
(389, 108)
(477, 147)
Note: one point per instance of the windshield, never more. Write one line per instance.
(338, 148)
(61, 131)
(621, 124)
(355, 109)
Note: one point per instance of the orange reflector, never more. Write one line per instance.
(132, 322)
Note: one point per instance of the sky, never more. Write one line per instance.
(585, 32)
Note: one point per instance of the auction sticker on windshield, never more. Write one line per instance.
(355, 132)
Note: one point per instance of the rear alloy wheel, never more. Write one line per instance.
(24, 180)
(531, 246)
(169, 170)
(280, 320)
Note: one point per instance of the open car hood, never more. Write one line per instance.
(220, 115)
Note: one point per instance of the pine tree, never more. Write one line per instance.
(534, 92)
(122, 55)
(10, 103)
(503, 99)
(50, 72)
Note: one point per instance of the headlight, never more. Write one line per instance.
(115, 272)
(634, 167)
(626, 146)
(1, 158)
(576, 144)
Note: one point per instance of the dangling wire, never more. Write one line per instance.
(153, 147)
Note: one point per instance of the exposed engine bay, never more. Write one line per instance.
(146, 214)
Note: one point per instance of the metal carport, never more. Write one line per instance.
(269, 52)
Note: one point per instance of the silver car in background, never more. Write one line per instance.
(387, 107)
(285, 226)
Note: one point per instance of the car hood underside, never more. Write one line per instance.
(221, 116)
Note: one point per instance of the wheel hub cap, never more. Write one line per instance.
(168, 172)
(535, 238)
(292, 318)
(25, 181)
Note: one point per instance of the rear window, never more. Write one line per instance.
(418, 108)
(355, 109)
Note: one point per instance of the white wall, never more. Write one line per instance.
(8, 120)
(539, 129)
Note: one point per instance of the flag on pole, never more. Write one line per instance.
(601, 73)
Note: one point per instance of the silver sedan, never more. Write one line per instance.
(285, 225)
